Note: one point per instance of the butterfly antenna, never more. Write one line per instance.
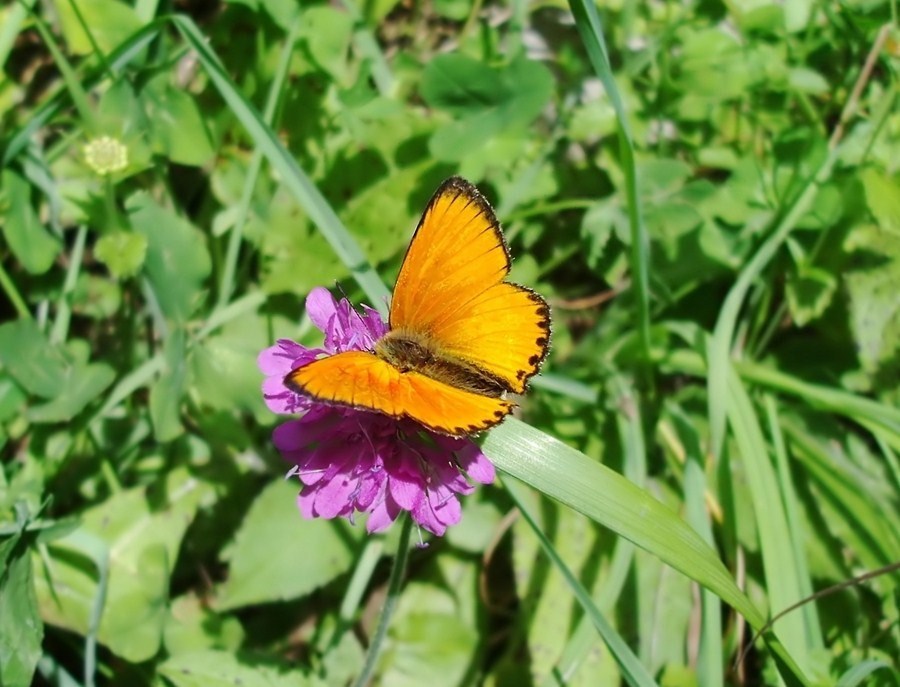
(344, 295)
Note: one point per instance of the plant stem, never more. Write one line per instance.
(393, 594)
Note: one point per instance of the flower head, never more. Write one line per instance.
(352, 460)
(106, 155)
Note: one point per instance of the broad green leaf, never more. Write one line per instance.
(223, 370)
(81, 385)
(545, 625)
(883, 197)
(429, 648)
(109, 21)
(28, 240)
(12, 398)
(21, 629)
(122, 252)
(873, 282)
(434, 634)
(807, 80)
(299, 184)
(809, 292)
(177, 127)
(166, 392)
(142, 528)
(50, 371)
(227, 669)
(277, 555)
(177, 262)
(192, 626)
(28, 357)
(484, 100)
(327, 31)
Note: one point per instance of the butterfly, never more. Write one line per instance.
(460, 337)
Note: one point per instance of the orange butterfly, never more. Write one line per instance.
(460, 337)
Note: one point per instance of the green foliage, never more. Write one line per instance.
(708, 195)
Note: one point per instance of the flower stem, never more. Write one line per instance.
(393, 594)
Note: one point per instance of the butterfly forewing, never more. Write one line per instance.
(359, 379)
(451, 289)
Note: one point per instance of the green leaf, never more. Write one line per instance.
(81, 385)
(193, 626)
(177, 128)
(29, 241)
(38, 367)
(177, 263)
(807, 80)
(809, 292)
(166, 392)
(783, 583)
(278, 555)
(12, 398)
(873, 282)
(225, 669)
(110, 23)
(429, 649)
(328, 31)
(21, 629)
(883, 197)
(222, 369)
(142, 529)
(434, 634)
(294, 178)
(50, 372)
(576, 540)
(484, 101)
(122, 252)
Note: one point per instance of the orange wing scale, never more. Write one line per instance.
(359, 379)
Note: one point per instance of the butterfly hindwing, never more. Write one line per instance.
(360, 379)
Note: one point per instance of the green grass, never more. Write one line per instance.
(708, 196)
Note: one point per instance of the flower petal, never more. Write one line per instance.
(475, 464)
(321, 307)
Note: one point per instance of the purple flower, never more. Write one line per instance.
(359, 461)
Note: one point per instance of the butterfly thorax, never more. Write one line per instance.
(414, 352)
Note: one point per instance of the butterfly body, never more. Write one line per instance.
(460, 337)
(416, 352)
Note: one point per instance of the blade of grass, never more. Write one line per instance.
(632, 670)
(70, 78)
(631, 437)
(395, 584)
(871, 521)
(605, 496)
(857, 674)
(782, 580)
(368, 48)
(353, 598)
(229, 268)
(60, 329)
(871, 414)
(590, 28)
(709, 660)
(809, 613)
(11, 28)
(118, 60)
(104, 65)
(294, 178)
(718, 348)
